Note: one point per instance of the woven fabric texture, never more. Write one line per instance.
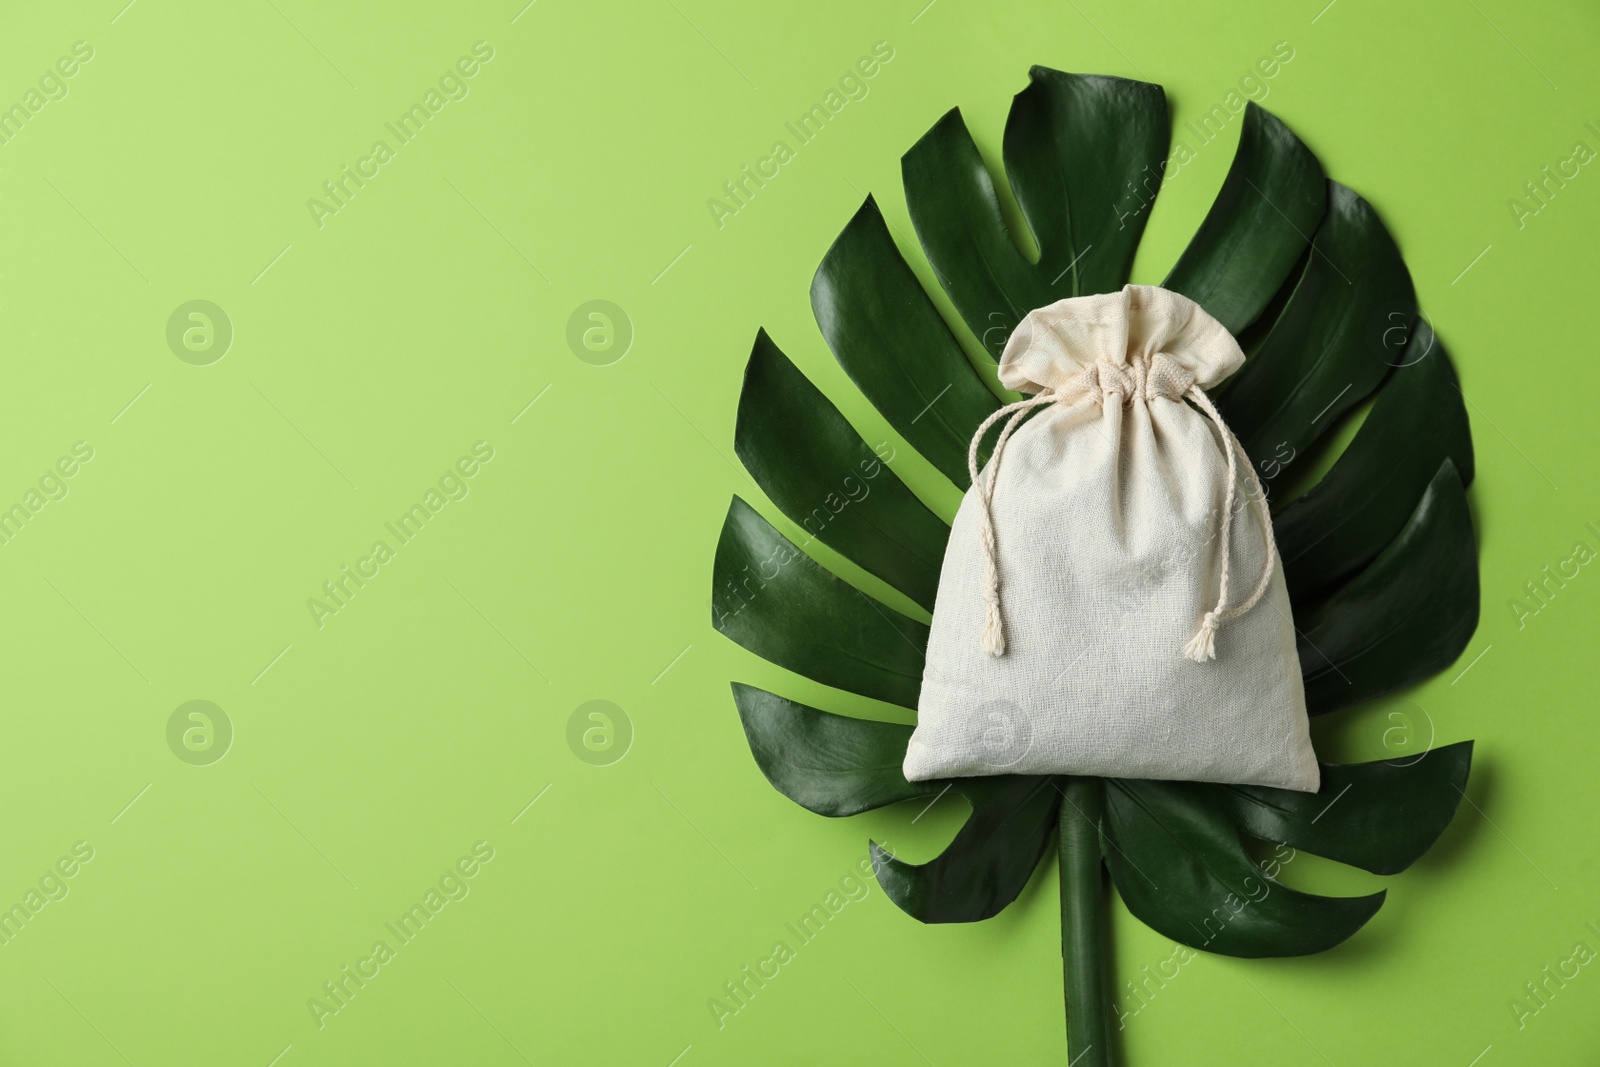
(1106, 514)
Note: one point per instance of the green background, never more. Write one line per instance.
(372, 352)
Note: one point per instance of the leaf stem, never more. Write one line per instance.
(1083, 964)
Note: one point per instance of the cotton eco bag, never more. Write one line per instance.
(1111, 602)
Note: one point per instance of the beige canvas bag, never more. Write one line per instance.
(1111, 602)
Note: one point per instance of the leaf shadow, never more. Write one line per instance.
(1411, 897)
(1470, 823)
(1479, 525)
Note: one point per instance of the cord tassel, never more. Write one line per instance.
(1203, 645)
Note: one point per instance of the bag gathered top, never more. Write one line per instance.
(1111, 602)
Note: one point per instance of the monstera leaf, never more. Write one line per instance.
(1379, 556)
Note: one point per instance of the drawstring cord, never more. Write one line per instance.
(994, 637)
(1202, 646)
